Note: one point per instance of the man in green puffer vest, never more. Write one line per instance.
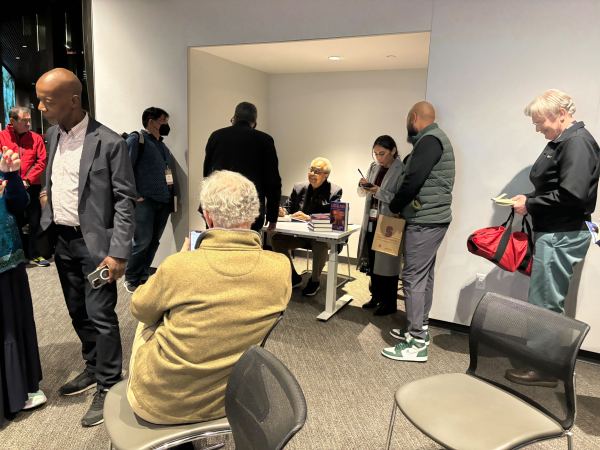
(423, 200)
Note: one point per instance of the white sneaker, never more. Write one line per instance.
(35, 399)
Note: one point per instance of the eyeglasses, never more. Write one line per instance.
(317, 171)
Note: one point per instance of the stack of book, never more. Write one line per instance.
(319, 222)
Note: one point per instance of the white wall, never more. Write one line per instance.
(216, 86)
(338, 116)
(487, 59)
(140, 53)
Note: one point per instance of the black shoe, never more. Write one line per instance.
(373, 303)
(79, 384)
(384, 310)
(94, 416)
(311, 288)
(296, 279)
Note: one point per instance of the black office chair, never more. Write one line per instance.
(483, 409)
(263, 402)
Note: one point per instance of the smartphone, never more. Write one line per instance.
(365, 185)
(195, 239)
(99, 277)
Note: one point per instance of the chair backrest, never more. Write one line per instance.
(507, 333)
(264, 403)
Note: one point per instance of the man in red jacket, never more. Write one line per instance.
(32, 151)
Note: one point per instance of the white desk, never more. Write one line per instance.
(332, 238)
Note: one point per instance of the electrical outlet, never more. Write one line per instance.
(480, 281)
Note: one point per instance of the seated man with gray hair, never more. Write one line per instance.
(309, 197)
(203, 308)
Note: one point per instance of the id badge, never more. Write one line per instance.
(373, 213)
(169, 177)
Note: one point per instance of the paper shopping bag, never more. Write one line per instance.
(388, 235)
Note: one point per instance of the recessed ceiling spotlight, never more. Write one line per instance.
(17, 57)
(390, 56)
(24, 46)
(335, 58)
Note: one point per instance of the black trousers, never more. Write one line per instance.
(92, 311)
(30, 220)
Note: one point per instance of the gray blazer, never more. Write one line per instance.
(106, 192)
(384, 264)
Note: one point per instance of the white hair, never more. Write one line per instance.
(550, 102)
(230, 199)
(325, 161)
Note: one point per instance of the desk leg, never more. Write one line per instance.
(331, 304)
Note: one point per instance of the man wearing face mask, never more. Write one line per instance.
(423, 200)
(154, 169)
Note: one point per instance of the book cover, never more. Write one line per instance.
(340, 211)
(320, 217)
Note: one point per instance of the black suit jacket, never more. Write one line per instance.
(320, 200)
(240, 148)
(106, 192)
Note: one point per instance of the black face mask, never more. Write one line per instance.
(164, 129)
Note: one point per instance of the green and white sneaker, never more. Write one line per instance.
(410, 349)
(403, 334)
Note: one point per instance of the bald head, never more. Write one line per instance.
(59, 94)
(421, 115)
(424, 110)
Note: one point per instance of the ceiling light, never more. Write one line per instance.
(17, 57)
(24, 46)
(335, 58)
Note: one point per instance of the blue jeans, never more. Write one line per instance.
(556, 255)
(150, 221)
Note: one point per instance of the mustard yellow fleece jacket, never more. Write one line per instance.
(214, 303)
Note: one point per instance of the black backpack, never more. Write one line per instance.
(140, 144)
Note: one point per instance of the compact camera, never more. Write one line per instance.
(99, 277)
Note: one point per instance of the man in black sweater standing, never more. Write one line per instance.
(244, 149)
(424, 200)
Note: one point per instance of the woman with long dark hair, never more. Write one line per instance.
(382, 181)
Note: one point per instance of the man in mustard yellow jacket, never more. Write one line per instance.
(203, 308)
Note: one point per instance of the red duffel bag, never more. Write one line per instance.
(509, 250)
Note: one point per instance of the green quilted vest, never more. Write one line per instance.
(432, 203)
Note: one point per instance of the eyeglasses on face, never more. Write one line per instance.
(317, 171)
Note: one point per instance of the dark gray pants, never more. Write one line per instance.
(421, 244)
(92, 311)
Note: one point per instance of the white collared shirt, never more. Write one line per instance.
(65, 174)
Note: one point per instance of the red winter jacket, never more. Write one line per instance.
(31, 149)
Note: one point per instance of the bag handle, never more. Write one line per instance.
(526, 228)
(505, 237)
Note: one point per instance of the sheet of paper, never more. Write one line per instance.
(503, 200)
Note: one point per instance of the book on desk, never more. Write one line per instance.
(340, 212)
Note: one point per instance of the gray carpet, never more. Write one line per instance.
(348, 385)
